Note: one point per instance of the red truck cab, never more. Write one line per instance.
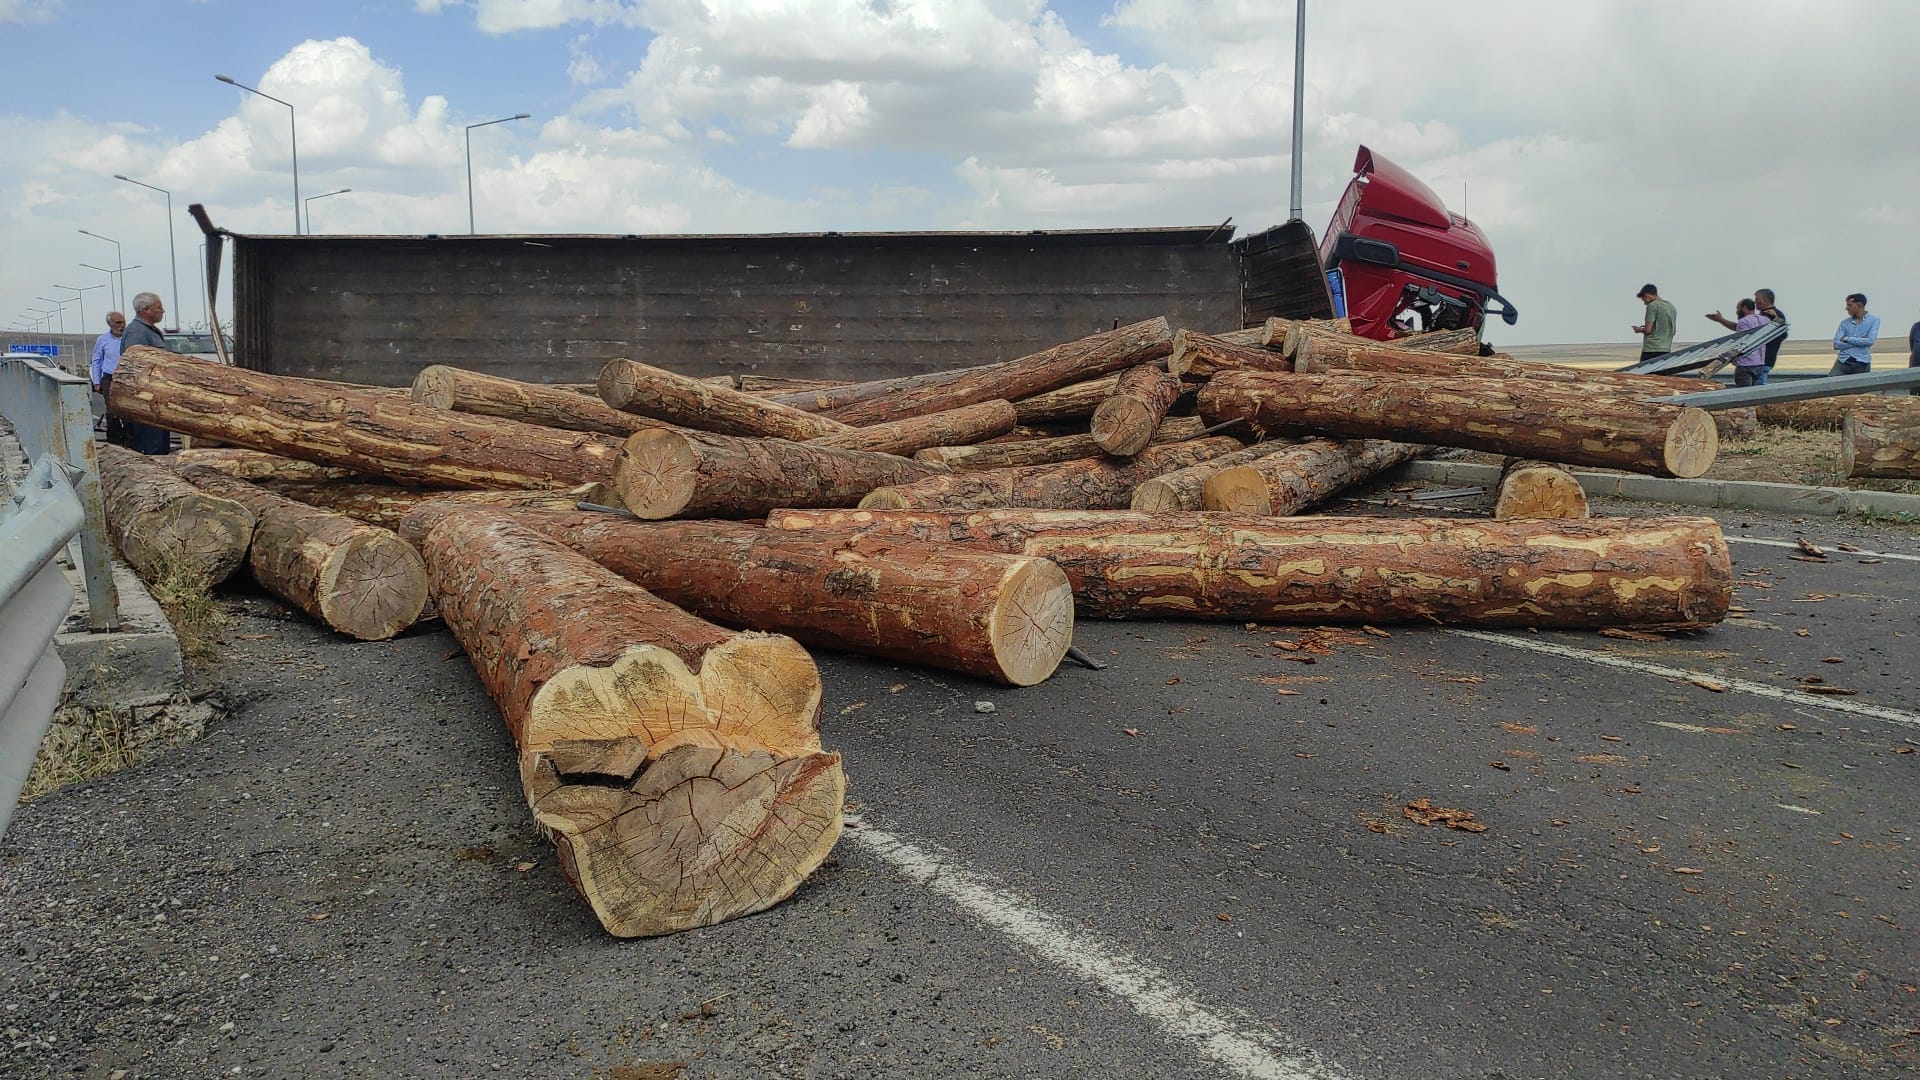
(1398, 262)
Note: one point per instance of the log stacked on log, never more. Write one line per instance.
(1181, 488)
(386, 505)
(1089, 484)
(664, 395)
(677, 766)
(1301, 476)
(664, 474)
(163, 524)
(352, 429)
(1125, 423)
(1881, 439)
(1538, 489)
(1502, 416)
(441, 387)
(1004, 618)
(907, 436)
(1202, 356)
(1816, 414)
(1653, 572)
(359, 579)
(242, 464)
(1075, 401)
(1000, 455)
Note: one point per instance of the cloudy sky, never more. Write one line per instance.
(1710, 147)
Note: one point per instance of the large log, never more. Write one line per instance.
(1301, 476)
(772, 385)
(1124, 424)
(1181, 488)
(353, 429)
(664, 395)
(1818, 414)
(386, 505)
(1275, 331)
(1072, 402)
(1882, 440)
(1052, 451)
(966, 424)
(243, 464)
(1090, 484)
(162, 524)
(1671, 573)
(441, 387)
(1049, 369)
(359, 579)
(664, 474)
(1201, 356)
(826, 399)
(1538, 489)
(1518, 417)
(676, 766)
(1004, 618)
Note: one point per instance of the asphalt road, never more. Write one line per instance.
(1193, 863)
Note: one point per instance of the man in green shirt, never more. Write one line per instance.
(1656, 334)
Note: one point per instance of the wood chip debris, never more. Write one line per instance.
(1423, 812)
(1630, 635)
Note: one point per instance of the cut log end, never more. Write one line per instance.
(1239, 489)
(656, 476)
(1693, 441)
(1032, 624)
(1533, 489)
(434, 387)
(373, 586)
(705, 828)
(884, 498)
(1124, 426)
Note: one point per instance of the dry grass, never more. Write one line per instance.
(1783, 455)
(197, 620)
(88, 740)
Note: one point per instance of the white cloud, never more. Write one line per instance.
(29, 11)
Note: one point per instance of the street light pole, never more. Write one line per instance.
(1299, 95)
(60, 306)
(293, 138)
(173, 261)
(117, 261)
(110, 273)
(80, 294)
(309, 205)
(470, 127)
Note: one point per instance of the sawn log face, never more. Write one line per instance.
(1124, 424)
(1301, 476)
(160, 521)
(1649, 572)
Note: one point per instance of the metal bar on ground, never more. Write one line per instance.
(1743, 397)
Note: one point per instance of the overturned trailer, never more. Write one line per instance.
(556, 308)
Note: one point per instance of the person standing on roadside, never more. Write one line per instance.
(144, 330)
(1656, 334)
(1750, 367)
(1762, 302)
(1913, 353)
(106, 359)
(1853, 341)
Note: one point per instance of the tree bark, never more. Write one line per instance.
(1049, 369)
(162, 524)
(1667, 573)
(242, 464)
(353, 429)
(773, 385)
(676, 766)
(966, 424)
(1003, 618)
(1462, 342)
(385, 505)
(1180, 489)
(1275, 331)
(1818, 414)
(1052, 451)
(827, 399)
(1090, 484)
(664, 474)
(1882, 440)
(1124, 424)
(358, 579)
(441, 387)
(1074, 402)
(1301, 476)
(1538, 489)
(1200, 356)
(664, 395)
(1518, 417)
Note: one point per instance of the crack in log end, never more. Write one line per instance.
(1032, 623)
(373, 586)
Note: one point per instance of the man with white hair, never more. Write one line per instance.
(143, 330)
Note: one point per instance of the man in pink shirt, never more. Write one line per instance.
(1750, 367)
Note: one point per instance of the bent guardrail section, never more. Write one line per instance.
(40, 519)
(52, 414)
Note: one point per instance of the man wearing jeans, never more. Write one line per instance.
(1750, 368)
(1656, 334)
(1853, 341)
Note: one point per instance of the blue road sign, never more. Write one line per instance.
(36, 350)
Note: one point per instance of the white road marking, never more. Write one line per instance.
(1691, 729)
(1797, 808)
(1844, 705)
(1237, 1044)
(1832, 552)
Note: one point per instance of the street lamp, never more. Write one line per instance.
(61, 306)
(110, 273)
(293, 137)
(470, 127)
(172, 262)
(309, 205)
(80, 295)
(117, 261)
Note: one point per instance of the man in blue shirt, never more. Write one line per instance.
(106, 359)
(1913, 353)
(1853, 341)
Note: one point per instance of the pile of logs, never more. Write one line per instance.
(635, 569)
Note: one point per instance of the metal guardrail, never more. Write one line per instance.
(52, 415)
(40, 519)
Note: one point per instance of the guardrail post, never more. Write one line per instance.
(52, 413)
